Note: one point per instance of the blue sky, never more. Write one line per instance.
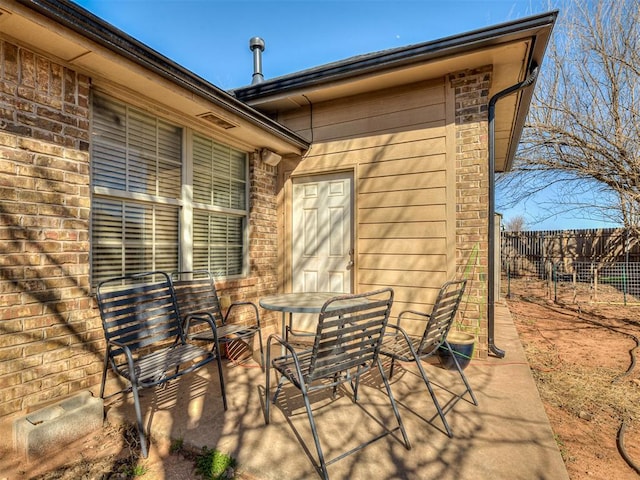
(211, 37)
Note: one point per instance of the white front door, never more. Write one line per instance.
(323, 233)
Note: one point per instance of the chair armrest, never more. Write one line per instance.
(405, 336)
(413, 312)
(204, 317)
(399, 330)
(243, 304)
(278, 339)
(292, 353)
(127, 353)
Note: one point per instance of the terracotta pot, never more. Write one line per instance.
(462, 345)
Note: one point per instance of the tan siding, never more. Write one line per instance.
(402, 246)
(414, 97)
(427, 262)
(405, 214)
(402, 198)
(410, 230)
(409, 181)
(390, 142)
(399, 279)
(373, 124)
(391, 168)
(396, 143)
(301, 122)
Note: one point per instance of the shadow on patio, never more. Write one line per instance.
(507, 436)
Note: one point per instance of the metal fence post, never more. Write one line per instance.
(624, 283)
(555, 281)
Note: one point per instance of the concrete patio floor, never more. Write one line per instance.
(507, 436)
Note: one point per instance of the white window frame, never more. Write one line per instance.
(185, 204)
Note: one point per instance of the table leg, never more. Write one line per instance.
(283, 351)
(290, 325)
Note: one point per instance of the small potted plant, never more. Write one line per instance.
(462, 344)
(463, 334)
(461, 338)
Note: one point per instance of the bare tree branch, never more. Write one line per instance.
(583, 127)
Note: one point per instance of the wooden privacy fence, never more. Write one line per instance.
(598, 265)
(592, 245)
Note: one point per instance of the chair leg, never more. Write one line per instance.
(141, 434)
(355, 385)
(104, 374)
(396, 412)
(262, 364)
(433, 396)
(278, 388)
(267, 387)
(463, 376)
(314, 431)
(221, 375)
(267, 401)
(393, 362)
(334, 390)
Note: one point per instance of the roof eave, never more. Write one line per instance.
(83, 22)
(538, 49)
(379, 62)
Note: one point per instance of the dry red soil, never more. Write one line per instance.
(583, 359)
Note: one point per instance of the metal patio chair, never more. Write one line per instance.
(405, 347)
(345, 347)
(198, 300)
(146, 339)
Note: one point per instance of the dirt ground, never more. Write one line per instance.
(109, 454)
(582, 357)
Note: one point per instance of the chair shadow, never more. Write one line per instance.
(291, 403)
(174, 409)
(402, 370)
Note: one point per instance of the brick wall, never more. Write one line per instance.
(51, 340)
(264, 225)
(263, 244)
(472, 198)
(49, 335)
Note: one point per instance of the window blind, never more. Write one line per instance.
(133, 153)
(137, 178)
(220, 196)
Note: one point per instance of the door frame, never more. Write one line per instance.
(287, 224)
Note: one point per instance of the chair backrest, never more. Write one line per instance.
(442, 315)
(139, 310)
(196, 292)
(349, 334)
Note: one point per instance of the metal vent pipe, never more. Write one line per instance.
(256, 45)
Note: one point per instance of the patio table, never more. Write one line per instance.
(301, 302)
